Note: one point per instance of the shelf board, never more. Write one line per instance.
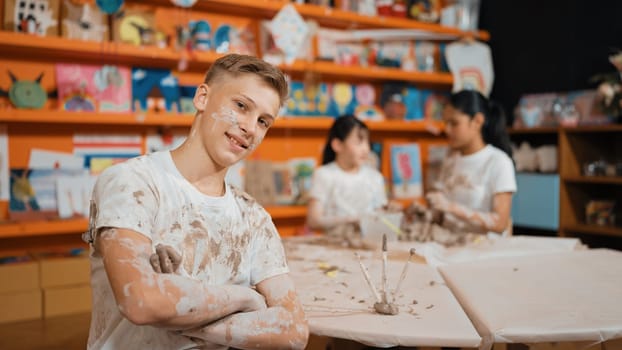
(42, 228)
(606, 180)
(25, 45)
(157, 119)
(71, 226)
(65, 117)
(287, 211)
(594, 128)
(594, 229)
(377, 73)
(325, 16)
(324, 123)
(535, 130)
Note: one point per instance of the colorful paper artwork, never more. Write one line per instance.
(93, 88)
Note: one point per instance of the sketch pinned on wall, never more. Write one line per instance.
(4, 164)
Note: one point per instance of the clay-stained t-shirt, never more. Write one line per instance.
(222, 240)
(473, 180)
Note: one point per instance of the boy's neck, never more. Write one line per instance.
(199, 170)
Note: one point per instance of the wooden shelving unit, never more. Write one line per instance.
(291, 137)
(325, 16)
(578, 146)
(163, 119)
(21, 45)
(64, 117)
(606, 180)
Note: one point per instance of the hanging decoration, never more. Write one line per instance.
(109, 7)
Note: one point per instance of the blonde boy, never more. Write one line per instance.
(231, 288)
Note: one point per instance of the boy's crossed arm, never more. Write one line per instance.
(281, 325)
(170, 301)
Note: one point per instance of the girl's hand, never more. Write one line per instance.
(438, 201)
(393, 206)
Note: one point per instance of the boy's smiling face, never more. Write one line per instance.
(237, 113)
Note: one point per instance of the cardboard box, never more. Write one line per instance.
(20, 306)
(18, 276)
(60, 270)
(66, 300)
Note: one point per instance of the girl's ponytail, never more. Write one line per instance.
(494, 131)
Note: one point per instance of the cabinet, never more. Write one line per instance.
(577, 147)
(52, 129)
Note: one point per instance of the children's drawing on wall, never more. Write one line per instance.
(38, 17)
(72, 194)
(83, 21)
(103, 150)
(155, 90)
(366, 108)
(136, 25)
(35, 193)
(23, 198)
(26, 93)
(4, 163)
(93, 88)
(302, 170)
(406, 170)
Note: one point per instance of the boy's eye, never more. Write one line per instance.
(264, 122)
(240, 105)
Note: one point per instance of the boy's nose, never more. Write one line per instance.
(247, 125)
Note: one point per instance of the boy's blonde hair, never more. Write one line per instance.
(235, 64)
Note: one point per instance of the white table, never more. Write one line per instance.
(339, 304)
(562, 297)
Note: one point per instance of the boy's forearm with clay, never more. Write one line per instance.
(279, 326)
(146, 297)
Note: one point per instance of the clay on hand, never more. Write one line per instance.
(165, 259)
(438, 201)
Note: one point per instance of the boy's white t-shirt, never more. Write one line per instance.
(348, 194)
(474, 179)
(223, 240)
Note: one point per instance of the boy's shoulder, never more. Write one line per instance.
(137, 165)
(248, 205)
(240, 195)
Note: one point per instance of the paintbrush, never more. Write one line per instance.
(367, 279)
(403, 275)
(384, 268)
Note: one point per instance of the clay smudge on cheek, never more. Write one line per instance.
(226, 115)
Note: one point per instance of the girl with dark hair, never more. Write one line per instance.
(344, 188)
(477, 179)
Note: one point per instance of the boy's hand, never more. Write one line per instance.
(165, 259)
(254, 301)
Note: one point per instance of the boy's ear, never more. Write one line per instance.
(200, 97)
